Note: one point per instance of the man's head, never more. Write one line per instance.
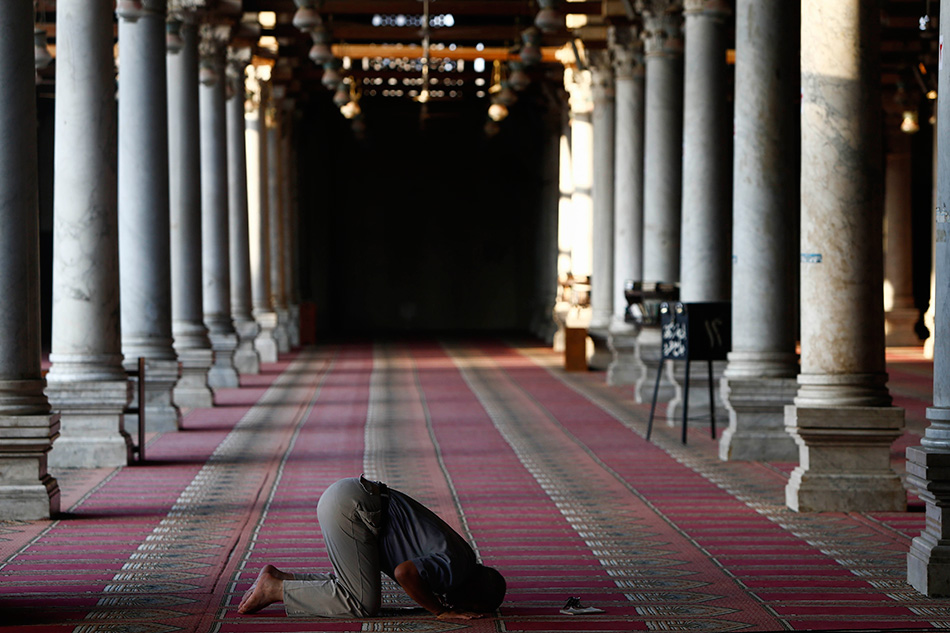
(482, 592)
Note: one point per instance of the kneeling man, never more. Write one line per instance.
(369, 528)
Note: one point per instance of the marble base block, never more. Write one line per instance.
(293, 325)
(559, 320)
(756, 430)
(192, 389)
(601, 356)
(624, 368)
(928, 560)
(265, 342)
(223, 374)
(281, 333)
(91, 434)
(899, 327)
(844, 459)
(246, 358)
(27, 491)
(648, 356)
(161, 412)
(698, 393)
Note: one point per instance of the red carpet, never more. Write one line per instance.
(547, 473)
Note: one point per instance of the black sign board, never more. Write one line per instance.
(696, 331)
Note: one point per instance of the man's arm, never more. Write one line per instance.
(409, 579)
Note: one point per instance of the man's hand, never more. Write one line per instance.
(458, 615)
(409, 579)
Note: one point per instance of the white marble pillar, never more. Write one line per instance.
(275, 225)
(289, 191)
(246, 358)
(928, 465)
(663, 170)
(602, 280)
(257, 222)
(215, 237)
(86, 383)
(628, 198)
(191, 341)
(759, 379)
(842, 418)
(707, 215)
(580, 220)
(900, 314)
(27, 428)
(144, 258)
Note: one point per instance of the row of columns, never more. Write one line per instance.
(685, 190)
(161, 248)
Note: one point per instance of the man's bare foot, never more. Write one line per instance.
(266, 590)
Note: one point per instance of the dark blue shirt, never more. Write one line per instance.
(413, 532)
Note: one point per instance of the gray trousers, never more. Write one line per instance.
(350, 513)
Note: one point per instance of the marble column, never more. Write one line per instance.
(275, 225)
(27, 428)
(900, 314)
(842, 418)
(257, 223)
(191, 341)
(759, 379)
(580, 223)
(628, 198)
(707, 215)
(543, 324)
(144, 227)
(289, 184)
(662, 174)
(602, 280)
(565, 234)
(246, 358)
(86, 383)
(215, 238)
(928, 465)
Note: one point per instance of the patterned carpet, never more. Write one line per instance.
(547, 473)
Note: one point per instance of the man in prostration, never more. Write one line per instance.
(369, 528)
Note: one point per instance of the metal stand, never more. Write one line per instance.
(712, 400)
(137, 452)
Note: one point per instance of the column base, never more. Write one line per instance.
(899, 327)
(246, 358)
(622, 342)
(601, 357)
(265, 343)
(648, 356)
(844, 459)
(223, 374)
(27, 491)
(928, 560)
(293, 325)
(698, 391)
(161, 412)
(281, 333)
(91, 434)
(756, 430)
(559, 324)
(192, 389)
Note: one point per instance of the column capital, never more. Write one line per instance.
(602, 76)
(211, 49)
(663, 27)
(626, 48)
(132, 10)
(712, 8)
(579, 84)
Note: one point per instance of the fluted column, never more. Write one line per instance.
(27, 429)
(900, 314)
(759, 379)
(602, 281)
(289, 184)
(928, 465)
(258, 218)
(215, 239)
(275, 224)
(144, 259)
(191, 341)
(246, 358)
(628, 198)
(663, 170)
(842, 419)
(86, 383)
(707, 215)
